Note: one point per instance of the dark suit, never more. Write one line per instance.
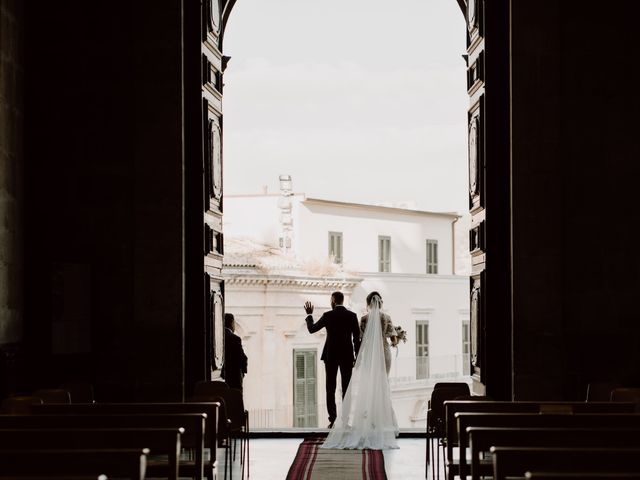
(235, 360)
(343, 339)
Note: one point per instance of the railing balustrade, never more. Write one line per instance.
(407, 374)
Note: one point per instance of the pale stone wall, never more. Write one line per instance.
(270, 320)
(255, 216)
(267, 300)
(361, 226)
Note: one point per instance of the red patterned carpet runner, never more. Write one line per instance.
(313, 463)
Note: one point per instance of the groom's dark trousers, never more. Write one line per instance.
(343, 340)
(331, 369)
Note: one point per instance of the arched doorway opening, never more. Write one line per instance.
(359, 132)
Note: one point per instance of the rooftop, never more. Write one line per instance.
(378, 207)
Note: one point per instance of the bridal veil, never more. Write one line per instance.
(367, 419)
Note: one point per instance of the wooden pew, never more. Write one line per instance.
(211, 409)
(581, 475)
(514, 462)
(193, 424)
(65, 464)
(536, 420)
(159, 441)
(453, 407)
(487, 406)
(482, 439)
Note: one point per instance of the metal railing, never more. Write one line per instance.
(424, 370)
(407, 374)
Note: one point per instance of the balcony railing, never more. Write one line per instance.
(411, 377)
(426, 370)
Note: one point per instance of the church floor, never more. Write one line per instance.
(270, 459)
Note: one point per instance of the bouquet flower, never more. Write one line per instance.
(401, 333)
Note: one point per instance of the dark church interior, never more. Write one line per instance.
(111, 201)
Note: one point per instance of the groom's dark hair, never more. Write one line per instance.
(228, 320)
(338, 297)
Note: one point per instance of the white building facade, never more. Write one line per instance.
(284, 249)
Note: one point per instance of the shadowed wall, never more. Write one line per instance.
(104, 175)
(98, 247)
(11, 173)
(575, 173)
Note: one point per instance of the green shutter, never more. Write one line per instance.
(384, 254)
(335, 246)
(434, 259)
(432, 256)
(305, 389)
(422, 349)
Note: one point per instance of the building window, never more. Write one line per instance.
(466, 348)
(305, 405)
(384, 254)
(335, 247)
(422, 349)
(284, 242)
(432, 256)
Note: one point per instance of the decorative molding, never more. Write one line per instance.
(422, 310)
(288, 281)
(218, 329)
(303, 335)
(427, 278)
(215, 95)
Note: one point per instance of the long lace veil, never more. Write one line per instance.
(367, 419)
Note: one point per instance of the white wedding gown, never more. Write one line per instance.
(367, 419)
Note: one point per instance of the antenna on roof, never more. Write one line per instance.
(286, 218)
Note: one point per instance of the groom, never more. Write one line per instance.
(343, 338)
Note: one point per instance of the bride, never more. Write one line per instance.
(367, 419)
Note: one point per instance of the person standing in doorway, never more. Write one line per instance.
(234, 367)
(340, 348)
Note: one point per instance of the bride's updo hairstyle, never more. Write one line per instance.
(374, 296)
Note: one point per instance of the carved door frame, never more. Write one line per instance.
(488, 76)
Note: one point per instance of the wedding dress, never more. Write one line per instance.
(367, 419)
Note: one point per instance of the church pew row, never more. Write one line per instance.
(65, 464)
(192, 438)
(453, 407)
(581, 475)
(213, 425)
(487, 406)
(509, 462)
(536, 420)
(482, 439)
(160, 442)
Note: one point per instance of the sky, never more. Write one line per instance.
(358, 100)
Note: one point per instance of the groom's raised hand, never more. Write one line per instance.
(308, 307)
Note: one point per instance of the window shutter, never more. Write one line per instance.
(311, 389)
(305, 389)
(432, 256)
(335, 246)
(422, 349)
(384, 254)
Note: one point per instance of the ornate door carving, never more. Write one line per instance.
(488, 84)
(476, 153)
(213, 14)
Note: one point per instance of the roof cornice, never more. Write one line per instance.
(378, 208)
(298, 281)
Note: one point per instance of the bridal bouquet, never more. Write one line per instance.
(401, 333)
